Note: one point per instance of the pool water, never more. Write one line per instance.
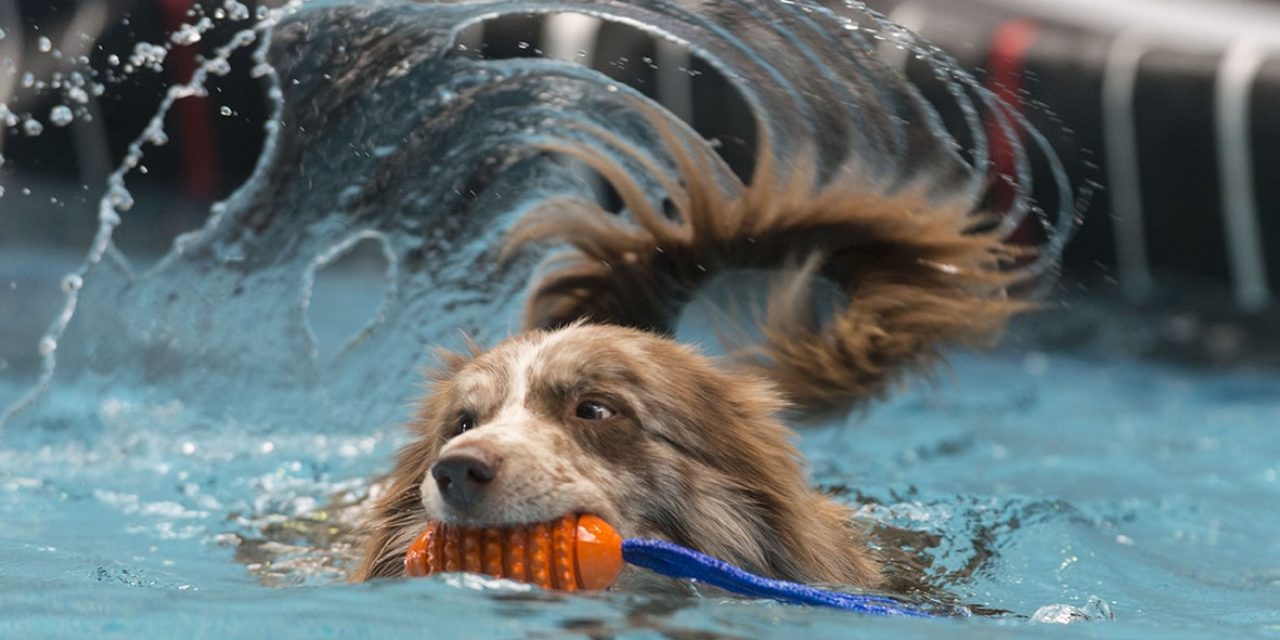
(1138, 496)
(213, 422)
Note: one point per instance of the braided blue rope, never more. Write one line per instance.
(675, 561)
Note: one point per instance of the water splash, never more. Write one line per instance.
(117, 198)
(1095, 610)
(332, 255)
(439, 150)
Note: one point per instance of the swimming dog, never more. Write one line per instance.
(595, 408)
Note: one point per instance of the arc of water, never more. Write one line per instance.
(117, 199)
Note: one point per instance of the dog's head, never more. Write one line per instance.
(632, 427)
(544, 425)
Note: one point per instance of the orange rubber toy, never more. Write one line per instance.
(570, 554)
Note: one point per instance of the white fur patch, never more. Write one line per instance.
(542, 474)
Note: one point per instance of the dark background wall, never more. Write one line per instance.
(1055, 69)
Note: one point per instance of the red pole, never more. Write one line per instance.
(197, 148)
(1006, 66)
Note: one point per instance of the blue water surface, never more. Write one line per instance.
(1056, 481)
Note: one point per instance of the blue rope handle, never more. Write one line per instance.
(675, 561)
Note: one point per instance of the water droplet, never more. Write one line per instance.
(32, 127)
(73, 282)
(157, 137)
(47, 345)
(236, 10)
(226, 111)
(113, 60)
(120, 199)
(148, 55)
(61, 116)
(187, 34)
(44, 44)
(218, 66)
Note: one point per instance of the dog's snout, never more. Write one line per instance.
(462, 477)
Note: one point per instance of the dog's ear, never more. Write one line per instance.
(397, 517)
(449, 363)
(915, 272)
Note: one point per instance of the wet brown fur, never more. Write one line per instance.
(696, 455)
(705, 460)
(917, 274)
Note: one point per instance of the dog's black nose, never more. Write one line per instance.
(463, 477)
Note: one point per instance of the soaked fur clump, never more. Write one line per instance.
(594, 408)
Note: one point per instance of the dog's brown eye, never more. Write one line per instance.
(465, 424)
(590, 410)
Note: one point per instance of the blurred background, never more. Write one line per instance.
(1164, 110)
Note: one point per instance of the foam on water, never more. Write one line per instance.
(177, 451)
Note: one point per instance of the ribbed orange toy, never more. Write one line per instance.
(569, 554)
